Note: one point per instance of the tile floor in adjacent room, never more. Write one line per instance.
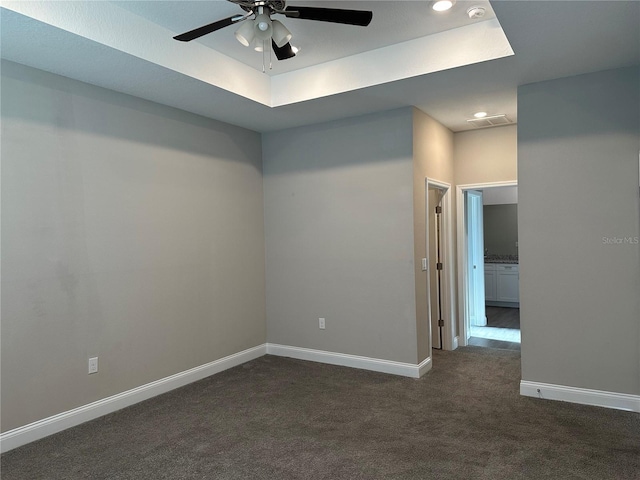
(502, 329)
(494, 333)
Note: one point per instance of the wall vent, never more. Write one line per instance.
(492, 121)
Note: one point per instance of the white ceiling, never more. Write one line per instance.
(446, 65)
(393, 22)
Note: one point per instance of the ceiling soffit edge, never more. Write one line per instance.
(114, 27)
(475, 43)
(117, 28)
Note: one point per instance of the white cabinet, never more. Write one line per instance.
(489, 282)
(507, 289)
(501, 283)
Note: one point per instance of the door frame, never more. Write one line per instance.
(475, 292)
(463, 325)
(449, 340)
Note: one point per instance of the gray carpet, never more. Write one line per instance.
(277, 418)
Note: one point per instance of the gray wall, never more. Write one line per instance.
(578, 142)
(500, 229)
(130, 231)
(339, 236)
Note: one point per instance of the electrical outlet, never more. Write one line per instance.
(93, 365)
(321, 323)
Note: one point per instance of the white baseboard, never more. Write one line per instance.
(56, 423)
(424, 367)
(354, 361)
(584, 396)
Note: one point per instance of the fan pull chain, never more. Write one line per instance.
(264, 54)
(270, 58)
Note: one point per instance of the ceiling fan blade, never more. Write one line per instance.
(284, 52)
(212, 27)
(334, 15)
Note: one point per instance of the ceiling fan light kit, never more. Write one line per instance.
(245, 34)
(262, 25)
(281, 34)
(262, 28)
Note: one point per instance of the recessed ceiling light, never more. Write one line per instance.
(480, 114)
(442, 5)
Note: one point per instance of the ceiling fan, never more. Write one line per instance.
(261, 29)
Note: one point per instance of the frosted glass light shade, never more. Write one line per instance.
(281, 35)
(246, 33)
(262, 27)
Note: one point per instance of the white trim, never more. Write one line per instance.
(462, 252)
(427, 293)
(424, 367)
(56, 423)
(448, 274)
(62, 421)
(353, 361)
(584, 396)
(455, 342)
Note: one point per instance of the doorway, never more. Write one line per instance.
(439, 266)
(488, 265)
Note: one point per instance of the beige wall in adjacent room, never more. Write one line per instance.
(500, 225)
(486, 155)
(130, 231)
(432, 158)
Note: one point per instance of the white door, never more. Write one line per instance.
(475, 258)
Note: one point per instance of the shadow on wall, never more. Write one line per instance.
(569, 103)
(80, 101)
(501, 229)
(351, 144)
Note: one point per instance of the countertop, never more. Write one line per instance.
(501, 259)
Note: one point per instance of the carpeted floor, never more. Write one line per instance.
(278, 418)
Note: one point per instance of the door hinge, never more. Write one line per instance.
(438, 209)
(441, 323)
(439, 266)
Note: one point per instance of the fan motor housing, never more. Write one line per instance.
(278, 5)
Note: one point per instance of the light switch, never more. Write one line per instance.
(424, 264)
